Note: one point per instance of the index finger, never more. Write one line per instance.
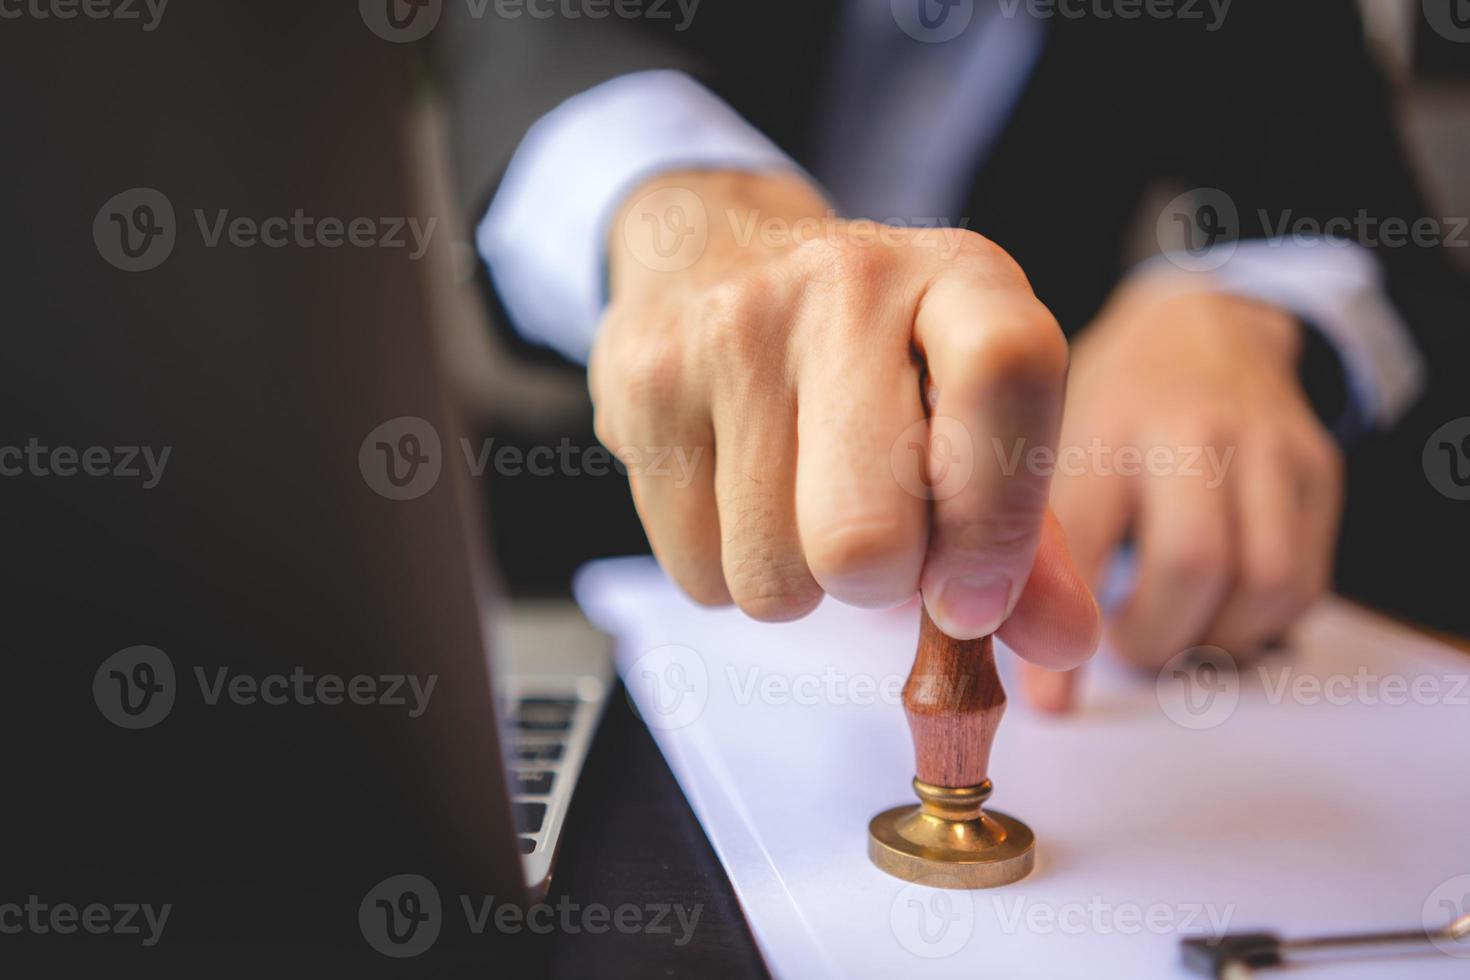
(997, 363)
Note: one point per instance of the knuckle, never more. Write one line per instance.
(974, 245)
(780, 608)
(705, 586)
(987, 260)
(1273, 576)
(772, 591)
(764, 570)
(1281, 580)
(1006, 535)
(1027, 345)
(603, 426)
(1323, 456)
(732, 301)
(1200, 429)
(734, 322)
(844, 259)
(649, 375)
(1277, 449)
(1197, 561)
(857, 550)
(597, 366)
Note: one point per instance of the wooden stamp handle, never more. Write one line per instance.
(954, 702)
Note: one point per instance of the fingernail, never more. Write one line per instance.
(972, 606)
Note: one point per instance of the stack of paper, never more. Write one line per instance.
(1323, 791)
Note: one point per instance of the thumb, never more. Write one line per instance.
(1095, 509)
(1056, 624)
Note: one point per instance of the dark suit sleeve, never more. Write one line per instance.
(1297, 124)
(499, 75)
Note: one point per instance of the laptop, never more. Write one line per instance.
(263, 548)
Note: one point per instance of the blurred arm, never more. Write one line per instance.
(1337, 288)
(1392, 308)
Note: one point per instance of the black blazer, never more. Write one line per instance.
(1281, 107)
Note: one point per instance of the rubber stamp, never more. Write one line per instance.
(953, 700)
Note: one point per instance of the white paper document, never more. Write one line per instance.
(1324, 790)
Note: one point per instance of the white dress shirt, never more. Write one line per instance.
(906, 124)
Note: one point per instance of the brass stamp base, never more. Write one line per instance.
(950, 842)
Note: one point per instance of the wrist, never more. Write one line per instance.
(1276, 330)
(1167, 303)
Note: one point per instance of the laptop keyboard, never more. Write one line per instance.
(538, 727)
(544, 714)
(528, 816)
(547, 752)
(551, 680)
(533, 783)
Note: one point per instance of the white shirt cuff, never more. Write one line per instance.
(1335, 285)
(544, 236)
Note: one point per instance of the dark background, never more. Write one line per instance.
(263, 832)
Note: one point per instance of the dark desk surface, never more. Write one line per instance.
(631, 838)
